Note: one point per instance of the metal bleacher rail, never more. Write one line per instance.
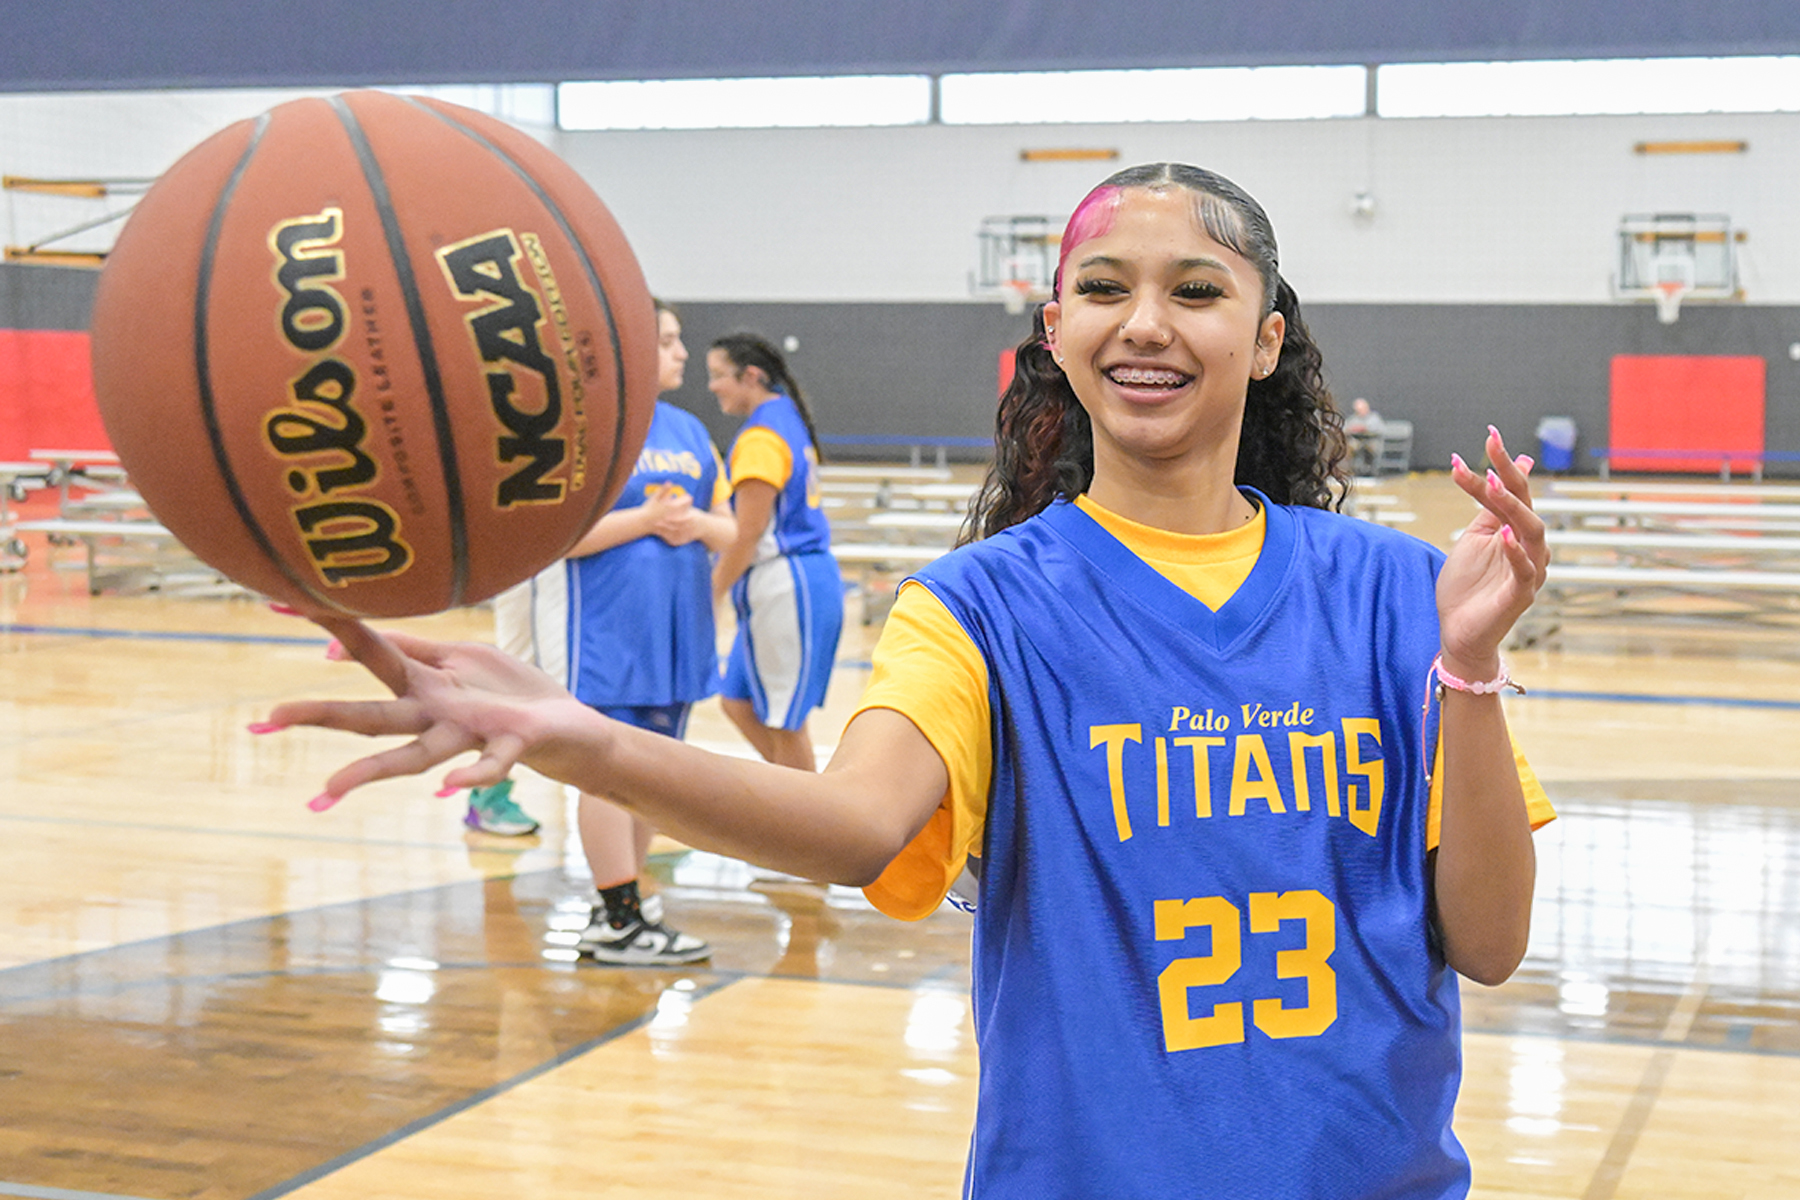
(1661, 551)
(124, 547)
(888, 519)
(914, 444)
(1724, 459)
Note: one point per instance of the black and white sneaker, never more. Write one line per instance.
(640, 943)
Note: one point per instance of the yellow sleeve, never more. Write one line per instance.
(928, 670)
(721, 482)
(761, 453)
(1537, 802)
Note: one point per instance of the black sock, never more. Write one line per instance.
(622, 904)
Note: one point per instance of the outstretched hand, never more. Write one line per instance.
(450, 697)
(1497, 565)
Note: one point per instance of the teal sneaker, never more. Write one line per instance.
(491, 810)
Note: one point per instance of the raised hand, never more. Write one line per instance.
(1497, 565)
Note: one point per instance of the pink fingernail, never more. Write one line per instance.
(1457, 463)
(265, 727)
(1492, 432)
(446, 793)
(1506, 535)
(1493, 479)
(1525, 462)
(322, 801)
(334, 651)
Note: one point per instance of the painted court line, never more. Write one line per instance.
(1610, 1172)
(1649, 698)
(29, 1192)
(163, 635)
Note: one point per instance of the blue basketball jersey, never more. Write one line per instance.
(798, 524)
(641, 614)
(1203, 961)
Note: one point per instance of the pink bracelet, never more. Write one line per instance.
(1446, 681)
(1481, 687)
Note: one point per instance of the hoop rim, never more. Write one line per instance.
(1668, 294)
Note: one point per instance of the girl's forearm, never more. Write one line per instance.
(840, 826)
(1485, 863)
(614, 529)
(718, 529)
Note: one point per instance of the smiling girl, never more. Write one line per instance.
(1229, 866)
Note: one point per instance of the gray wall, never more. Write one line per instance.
(1478, 290)
(45, 297)
(930, 369)
(1452, 368)
(926, 370)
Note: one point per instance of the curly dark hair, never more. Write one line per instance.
(1291, 448)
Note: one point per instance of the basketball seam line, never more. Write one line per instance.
(203, 366)
(594, 282)
(422, 344)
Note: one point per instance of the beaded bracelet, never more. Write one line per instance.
(1437, 682)
(1481, 687)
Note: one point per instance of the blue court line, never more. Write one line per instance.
(164, 635)
(45, 1193)
(1647, 698)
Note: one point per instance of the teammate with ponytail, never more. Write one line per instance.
(783, 581)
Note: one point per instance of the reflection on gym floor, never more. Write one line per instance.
(208, 991)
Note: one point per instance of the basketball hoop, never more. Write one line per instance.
(1668, 299)
(1676, 258)
(1015, 294)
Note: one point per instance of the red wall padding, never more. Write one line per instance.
(1691, 402)
(46, 394)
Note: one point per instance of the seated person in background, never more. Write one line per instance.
(1362, 429)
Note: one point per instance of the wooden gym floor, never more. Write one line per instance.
(208, 991)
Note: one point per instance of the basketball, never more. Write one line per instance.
(374, 355)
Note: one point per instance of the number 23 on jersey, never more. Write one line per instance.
(1224, 1025)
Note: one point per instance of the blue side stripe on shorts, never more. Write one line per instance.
(803, 617)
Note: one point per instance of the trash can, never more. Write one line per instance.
(1556, 443)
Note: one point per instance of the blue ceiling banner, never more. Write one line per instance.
(61, 45)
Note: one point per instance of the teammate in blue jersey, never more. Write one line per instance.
(1235, 766)
(784, 584)
(625, 622)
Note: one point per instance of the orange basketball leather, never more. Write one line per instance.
(376, 355)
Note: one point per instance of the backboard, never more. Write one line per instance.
(1017, 259)
(1672, 257)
